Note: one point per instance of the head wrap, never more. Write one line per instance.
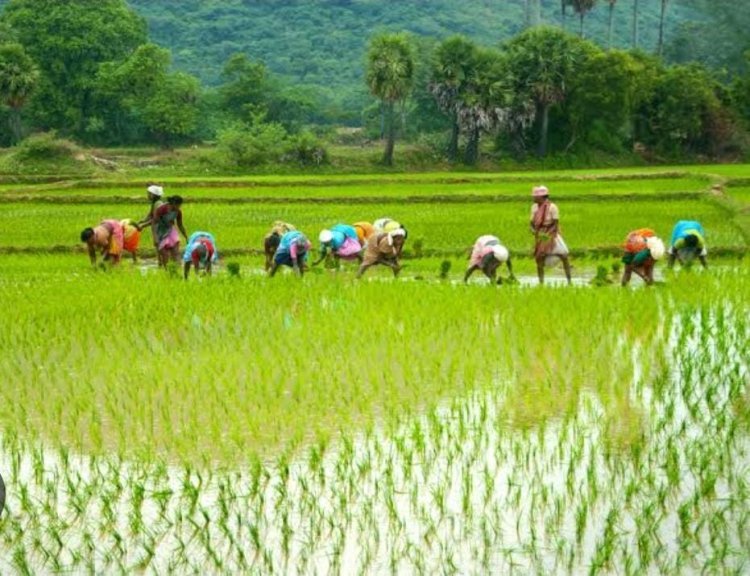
(501, 253)
(540, 192)
(156, 190)
(394, 233)
(656, 247)
(325, 236)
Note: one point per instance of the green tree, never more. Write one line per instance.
(582, 7)
(455, 59)
(243, 91)
(542, 62)
(389, 76)
(69, 41)
(171, 113)
(18, 78)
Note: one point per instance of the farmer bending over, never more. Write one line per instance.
(273, 238)
(642, 250)
(487, 255)
(688, 242)
(108, 236)
(384, 248)
(200, 252)
(342, 241)
(292, 251)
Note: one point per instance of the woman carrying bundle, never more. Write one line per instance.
(545, 226)
(642, 249)
(487, 255)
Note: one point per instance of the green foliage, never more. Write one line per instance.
(240, 146)
(18, 78)
(45, 146)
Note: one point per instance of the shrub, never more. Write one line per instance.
(241, 146)
(45, 146)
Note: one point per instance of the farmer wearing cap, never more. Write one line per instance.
(273, 238)
(642, 249)
(108, 236)
(487, 255)
(384, 248)
(156, 198)
(364, 231)
(292, 251)
(342, 241)
(688, 242)
(545, 226)
(167, 220)
(200, 251)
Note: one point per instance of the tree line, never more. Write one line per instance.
(88, 71)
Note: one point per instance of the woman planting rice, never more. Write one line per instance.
(384, 248)
(688, 242)
(342, 241)
(292, 251)
(272, 239)
(364, 231)
(545, 226)
(642, 250)
(168, 218)
(108, 236)
(389, 225)
(131, 237)
(487, 255)
(200, 251)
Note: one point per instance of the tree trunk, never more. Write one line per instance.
(543, 128)
(580, 30)
(391, 136)
(635, 24)
(562, 11)
(472, 147)
(14, 121)
(611, 25)
(661, 26)
(452, 151)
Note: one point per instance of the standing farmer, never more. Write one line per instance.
(688, 242)
(545, 226)
(168, 219)
(487, 255)
(292, 251)
(384, 248)
(108, 236)
(156, 198)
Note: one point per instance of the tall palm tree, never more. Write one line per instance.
(582, 7)
(455, 59)
(390, 77)
(18, 78)
(661, 26)
(611, 21)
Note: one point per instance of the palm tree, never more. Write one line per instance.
(582, 7)
(611, 21)
(635, 23)
(390, 76)
(661, 26)
(18, 78)
(454, 60)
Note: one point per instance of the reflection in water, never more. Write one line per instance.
(458, 489)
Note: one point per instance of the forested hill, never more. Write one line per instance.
(322, 42)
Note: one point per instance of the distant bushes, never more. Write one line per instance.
(240, 146)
